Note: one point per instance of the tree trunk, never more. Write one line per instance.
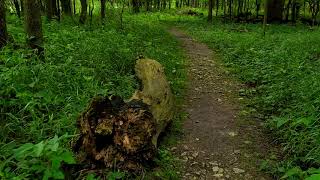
(135, 6)
(17, 7)
(257, 8)
(230, 9)
(210, 11)
(103, 9)
(66, 7)
(288, 10)
(74, 7)
(3, 24)
(293, 11)
(275, 9)
(265, 17)
(22, 6)
(125, 135)
(217, 7)
(58, 13)
(83, 13)
(33, 25)
(49, 11)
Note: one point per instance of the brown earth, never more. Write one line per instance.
(217, 142)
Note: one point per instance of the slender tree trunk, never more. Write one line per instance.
(91, 8)
(84, 9)
(33, 25)
(54, 8)
(293, 11)
(3, 24)
(230, 9)
(217, 7)
(103, 9)
(210, 11)
(288, 10)
(17, 7)
(135, 5)
(265, 18)
(66, 7)
(22, 6)
(74, 7)
(58, 10)
(297, 12)
(275, 9)
(49, 11)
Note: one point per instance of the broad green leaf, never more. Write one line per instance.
(281, 121)
(57, 174)
(313, 171)
(22, 150)
(54, 143)
(56, 161)
(313, 177)
(38, 149)
(46, 175)
(67, 157)
(292, 172)
(90, 177)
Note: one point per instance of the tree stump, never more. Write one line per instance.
(124, 135)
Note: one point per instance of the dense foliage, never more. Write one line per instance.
(42, 98)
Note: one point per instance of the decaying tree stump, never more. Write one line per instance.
(155, 92)
(123, 135)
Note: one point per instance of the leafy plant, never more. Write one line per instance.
(297, 173)
(42, 160)
(43, 98)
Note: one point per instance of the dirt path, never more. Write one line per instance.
(216, 143)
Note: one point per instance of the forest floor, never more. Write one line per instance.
(218, 143)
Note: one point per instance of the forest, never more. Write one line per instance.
(159, 89)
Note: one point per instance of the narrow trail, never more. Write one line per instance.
(216, 144)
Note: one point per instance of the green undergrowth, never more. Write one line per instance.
(282, 73)
(42, 98)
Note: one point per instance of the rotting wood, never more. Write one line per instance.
(124, 135)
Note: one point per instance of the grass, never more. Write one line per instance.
(41, 99)
(282, 72)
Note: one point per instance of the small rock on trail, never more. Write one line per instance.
(214, 145)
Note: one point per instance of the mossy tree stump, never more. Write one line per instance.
(124, 135)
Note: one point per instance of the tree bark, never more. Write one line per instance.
(210, 10)
(84, 9)
(103, 9)
(33, 26)
(74, 7)
(66, 7)
(124, 135)
(293, 11)
(17, 7)
(49, 11)
(217, 7)
(3, 24)
(135, 6)
(275, 10)
(265, 17)
(58, 12)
